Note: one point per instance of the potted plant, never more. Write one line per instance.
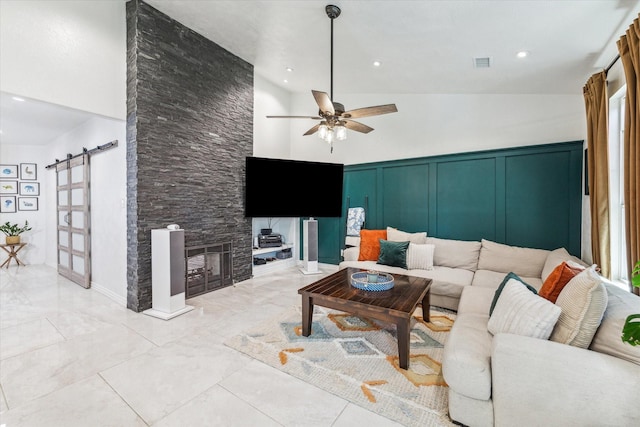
(631, 328)
(13, 232)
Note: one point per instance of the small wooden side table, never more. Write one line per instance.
(12, 250)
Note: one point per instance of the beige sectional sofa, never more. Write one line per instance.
(458, 264)
(509, 379)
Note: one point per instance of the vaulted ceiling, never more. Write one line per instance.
(424, 46)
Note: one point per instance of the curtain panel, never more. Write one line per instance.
(629, 48)
(597, 108)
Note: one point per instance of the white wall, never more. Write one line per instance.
(108, 202)
(270, 136)
(427, 125)
(71, 53)
(35, 251)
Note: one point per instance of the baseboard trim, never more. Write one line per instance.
(109, 294)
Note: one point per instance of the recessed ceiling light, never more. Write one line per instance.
(377, 63)
(289, 69)
(16, 98)
(522, 54)
(286, 81)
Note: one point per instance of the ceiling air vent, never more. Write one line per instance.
(482, 62)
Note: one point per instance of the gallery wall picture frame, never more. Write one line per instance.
(7, 204)
(29, 188)
(9, 187)
(8, 171)
(28, 171)
(27, 203)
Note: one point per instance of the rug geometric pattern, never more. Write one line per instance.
(357, 359)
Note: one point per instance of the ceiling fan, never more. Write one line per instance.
(334, 120)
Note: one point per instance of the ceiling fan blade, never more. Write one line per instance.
(324, 102)
(295, 117)
(357, 126)
(312, 130)
(370, 111)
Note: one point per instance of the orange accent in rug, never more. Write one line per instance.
(437, 323)
(423, 370)
(283, 354)
(365, 389)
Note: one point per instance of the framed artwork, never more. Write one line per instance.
(29, 188)
(9, 187)
(28, 171)
(7, 204)
(27, 203)
(8, 171)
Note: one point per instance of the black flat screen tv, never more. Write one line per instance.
(278, 188)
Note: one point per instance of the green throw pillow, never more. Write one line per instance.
(393, 253)
(504, 282)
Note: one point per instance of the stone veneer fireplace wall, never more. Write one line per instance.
(189, 129)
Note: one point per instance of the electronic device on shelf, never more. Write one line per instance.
(272, 240)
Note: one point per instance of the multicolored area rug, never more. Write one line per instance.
(357, 359)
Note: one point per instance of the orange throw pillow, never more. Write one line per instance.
(370, 244)
(559, 277)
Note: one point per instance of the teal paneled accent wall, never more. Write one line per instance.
(465, 204)
(525, 196)
(361, 190)
(404, 199)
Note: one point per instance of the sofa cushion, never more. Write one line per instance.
(455, 253)
(476, 300)
(393, 253)
(498, 292)
(557, 280)
(395, 235)
(583, 302)
(420, 256)
(621, 303)
(492, 279)
(557, 257)
(520, 311)
(370, 244)
(466, 361)
(504, 258)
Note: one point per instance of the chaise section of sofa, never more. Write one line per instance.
(510, 379)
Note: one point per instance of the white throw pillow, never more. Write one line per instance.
(519, 311)
(583, 301)
(420, 256)
(395, 235)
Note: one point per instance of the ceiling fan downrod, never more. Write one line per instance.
(332, 12)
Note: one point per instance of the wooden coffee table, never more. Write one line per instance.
(394, 306)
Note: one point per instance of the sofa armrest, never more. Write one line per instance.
(539, 382)
(351, 254)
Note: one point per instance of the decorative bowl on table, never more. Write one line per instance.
(372, 281)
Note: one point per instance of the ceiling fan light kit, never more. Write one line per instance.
(334, 119)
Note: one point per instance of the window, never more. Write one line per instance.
(616, 190)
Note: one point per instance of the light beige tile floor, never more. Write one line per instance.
(73, 357)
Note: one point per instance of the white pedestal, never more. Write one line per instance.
(167, 274)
